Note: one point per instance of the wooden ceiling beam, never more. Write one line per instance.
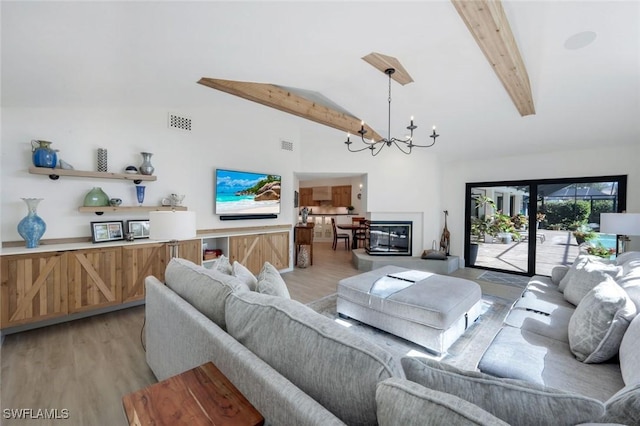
(285, 100)
(490, 28)
(384, 62)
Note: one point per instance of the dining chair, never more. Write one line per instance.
(339, 236)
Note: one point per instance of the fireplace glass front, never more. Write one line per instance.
(388, 238)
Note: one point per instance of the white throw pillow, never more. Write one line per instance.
(243, 274)
(589, 273)
(599, 322)
(270, 282)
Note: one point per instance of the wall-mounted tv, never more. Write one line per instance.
(246, 194)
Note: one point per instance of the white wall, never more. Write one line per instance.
(184, 161)
(609, 160)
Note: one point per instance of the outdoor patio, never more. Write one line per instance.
(554, 248)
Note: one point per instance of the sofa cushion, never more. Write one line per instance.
(625, 257)
(205, 289)
(630, 280)
(243, 274)
(629, 353)
(540, 317)
(624, 406)
(577, 268)
(338, 369)
(599, 322)
(270, 282)
(586, 276)
(507, 399)
(401, 402)
(558, 273)
(519, 354)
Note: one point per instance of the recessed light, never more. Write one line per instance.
(580, 40)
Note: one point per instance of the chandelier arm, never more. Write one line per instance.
(356, 150)
(374, 152)
(395, 142)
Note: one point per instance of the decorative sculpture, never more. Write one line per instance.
(445, 239)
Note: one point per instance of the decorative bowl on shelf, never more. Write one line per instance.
(131, 169)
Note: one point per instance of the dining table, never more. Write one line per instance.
(354, 229)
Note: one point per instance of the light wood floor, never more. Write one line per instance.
(86, 366)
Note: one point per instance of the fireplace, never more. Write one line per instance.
(388, 238)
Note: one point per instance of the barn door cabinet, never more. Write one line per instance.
(51, 285)
(254, 249)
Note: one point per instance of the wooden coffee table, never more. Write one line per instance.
(200, 396)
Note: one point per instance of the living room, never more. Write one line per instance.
(106, 75)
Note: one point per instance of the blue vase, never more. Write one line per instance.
(31, 228)
(43, 155)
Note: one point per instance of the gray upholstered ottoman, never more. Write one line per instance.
(432, 312)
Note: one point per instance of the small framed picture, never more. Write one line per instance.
(295, 199)
(107, 231)
(139, 228)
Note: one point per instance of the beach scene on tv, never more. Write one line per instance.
(247, 193)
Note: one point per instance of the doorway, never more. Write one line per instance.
(529, 227)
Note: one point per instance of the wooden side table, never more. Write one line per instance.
(200, 396)
(303, 236)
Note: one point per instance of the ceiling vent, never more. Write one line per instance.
(179, 122)
(286, 145)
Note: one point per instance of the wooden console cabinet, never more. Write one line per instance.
(253, 250)
(53, 284)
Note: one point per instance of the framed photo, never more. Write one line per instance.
(107, 231)
(295, 199)
(139, 228)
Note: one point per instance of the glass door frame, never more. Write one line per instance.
(532, 207)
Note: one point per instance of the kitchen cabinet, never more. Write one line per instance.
(306, 197)
(341, 196)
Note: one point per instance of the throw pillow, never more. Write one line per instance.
(335, 367)
(623, 407)
(577, 265)
(203, 288)
(243, 274)
(401, 402)
(585, 277)
(599, 322)
(270, 282)
(513, 401)
(222, 265)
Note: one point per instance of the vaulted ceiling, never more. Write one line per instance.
(153, 54)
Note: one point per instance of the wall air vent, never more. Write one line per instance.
(179, 122)
(286, 145)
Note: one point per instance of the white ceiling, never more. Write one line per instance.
(153, 53)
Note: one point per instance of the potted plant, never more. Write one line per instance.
(583, 234)
(480, 227)
(350, 209)
(600, 251)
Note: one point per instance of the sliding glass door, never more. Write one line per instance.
(529, 227)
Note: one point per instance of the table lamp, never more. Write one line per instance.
(172, 226)
(621, 224)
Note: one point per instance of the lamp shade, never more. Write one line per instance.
(172, 225)
(620, 223)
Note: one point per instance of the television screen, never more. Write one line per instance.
(246, 193)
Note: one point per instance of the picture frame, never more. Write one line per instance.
(138, 228)
(295, 199)
(112, 230)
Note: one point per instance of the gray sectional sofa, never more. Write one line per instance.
(300, 368)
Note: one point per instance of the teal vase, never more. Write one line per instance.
(31, 228)
(96, 198)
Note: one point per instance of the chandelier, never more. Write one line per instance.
(405, 145)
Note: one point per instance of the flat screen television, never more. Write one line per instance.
(246, 194)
